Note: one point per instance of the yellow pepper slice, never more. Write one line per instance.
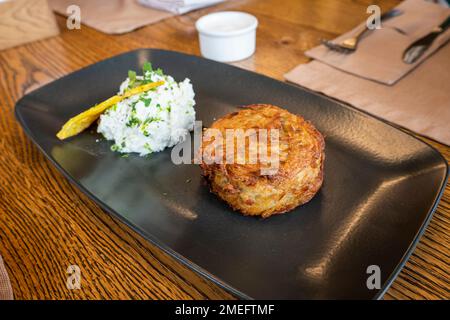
(82, 121)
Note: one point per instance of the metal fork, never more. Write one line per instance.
(349, 45)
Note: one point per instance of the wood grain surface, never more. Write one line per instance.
(46, 224)
(23, 21)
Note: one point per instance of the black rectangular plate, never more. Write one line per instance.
(380, 190)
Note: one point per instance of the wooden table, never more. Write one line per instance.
(46, 224)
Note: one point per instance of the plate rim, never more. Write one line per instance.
(185, 261)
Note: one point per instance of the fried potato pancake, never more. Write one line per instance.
(271, 185)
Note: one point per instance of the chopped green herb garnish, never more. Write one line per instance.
(115, 147)
(133, 108)
(147, 146)
(147, 67)
(132, 78)
(133, 122)
(152, 119)
(146, 101)
(146, 123)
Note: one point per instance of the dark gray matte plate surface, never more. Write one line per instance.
(381, 185)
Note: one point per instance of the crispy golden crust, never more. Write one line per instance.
(299, 175)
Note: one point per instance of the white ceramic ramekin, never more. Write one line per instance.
(227, 36)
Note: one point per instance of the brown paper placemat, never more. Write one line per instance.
(419, 102)
(6, 292)
(112, 16)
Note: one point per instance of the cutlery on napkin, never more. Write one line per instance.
(380, 55)
(351, 44)
(419, 47)
(375, 79)
(179, 6)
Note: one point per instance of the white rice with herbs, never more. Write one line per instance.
(153, 120)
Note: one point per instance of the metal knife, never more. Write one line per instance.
(418, 48)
